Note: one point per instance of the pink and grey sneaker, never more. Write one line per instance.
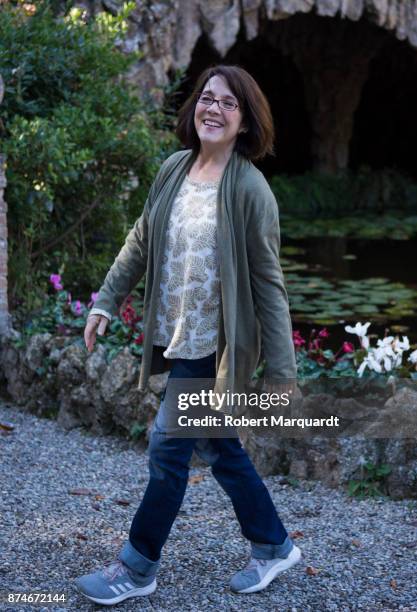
(132, 575)
(258, 573)
(114, 583)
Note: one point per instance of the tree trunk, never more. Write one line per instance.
(333, 58)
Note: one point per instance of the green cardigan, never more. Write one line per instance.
(254, 300)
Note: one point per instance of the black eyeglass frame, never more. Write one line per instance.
(218, 100)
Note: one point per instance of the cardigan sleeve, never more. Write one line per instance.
(267, 282)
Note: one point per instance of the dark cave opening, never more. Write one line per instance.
(385, 122)
(385, 125)
(281, 82)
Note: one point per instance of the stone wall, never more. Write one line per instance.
(4, 313)
(51, 377)
(167, 31)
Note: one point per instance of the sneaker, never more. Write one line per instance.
(115, 583)
(258, 573)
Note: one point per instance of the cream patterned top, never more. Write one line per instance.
(189, 296)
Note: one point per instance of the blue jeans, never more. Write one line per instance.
(169, 466)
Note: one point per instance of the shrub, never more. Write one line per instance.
(312, 194)
(81, 148)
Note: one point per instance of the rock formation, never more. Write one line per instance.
(331, 42)
(4, 315)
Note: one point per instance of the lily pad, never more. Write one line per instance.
(292, 250)
(400, 329)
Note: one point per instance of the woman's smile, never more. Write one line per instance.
(211, 124)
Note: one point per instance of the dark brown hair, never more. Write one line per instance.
(258, 140)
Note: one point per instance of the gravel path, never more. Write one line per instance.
(365, 551)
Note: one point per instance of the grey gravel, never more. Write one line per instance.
(365, 550)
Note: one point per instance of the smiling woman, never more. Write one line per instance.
(214, 293)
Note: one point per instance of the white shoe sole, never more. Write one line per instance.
(140, 591)
(293, 558)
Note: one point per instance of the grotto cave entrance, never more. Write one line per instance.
(385, 126)
(343, 94)
(281, 81)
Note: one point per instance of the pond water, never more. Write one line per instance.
(334, 281)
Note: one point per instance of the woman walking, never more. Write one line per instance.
(208, 239)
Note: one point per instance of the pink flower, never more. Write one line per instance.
(139, 339)
(315, 345)
(348, 347)
(93, 298)
(55, 279)
(130, 316)
(297, 338)
(78, 308)
(323, 333)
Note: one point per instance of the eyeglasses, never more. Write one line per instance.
(208, 100)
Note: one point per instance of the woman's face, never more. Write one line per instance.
(214, 125)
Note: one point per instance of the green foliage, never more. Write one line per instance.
(369, 205)
(312, 367)
(372, 481)
(81, 148)
(393, 226)
(63, 316)
(326, 301)
(311, 194)
(137, 430)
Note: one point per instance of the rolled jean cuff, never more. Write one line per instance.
(272, 551)
(136, 561)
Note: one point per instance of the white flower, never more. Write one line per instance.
(374, 363)
(385, 341)
(413, 357)
(401, 345)
(359, 329)
(365, 342)
(386, 356)
(361, 368)
(379, 353)
(387, 364)
(398, 360)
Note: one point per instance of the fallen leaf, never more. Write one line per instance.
(6, 426)
(195, 479)
(356, 542)
(99, 497)
(393, 583)
(81, 536)
(122, 502)
(81, 492)
(312, 571)
(296, 534)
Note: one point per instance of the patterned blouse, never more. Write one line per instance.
(189, 296)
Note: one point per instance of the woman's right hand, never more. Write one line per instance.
(95, 324)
